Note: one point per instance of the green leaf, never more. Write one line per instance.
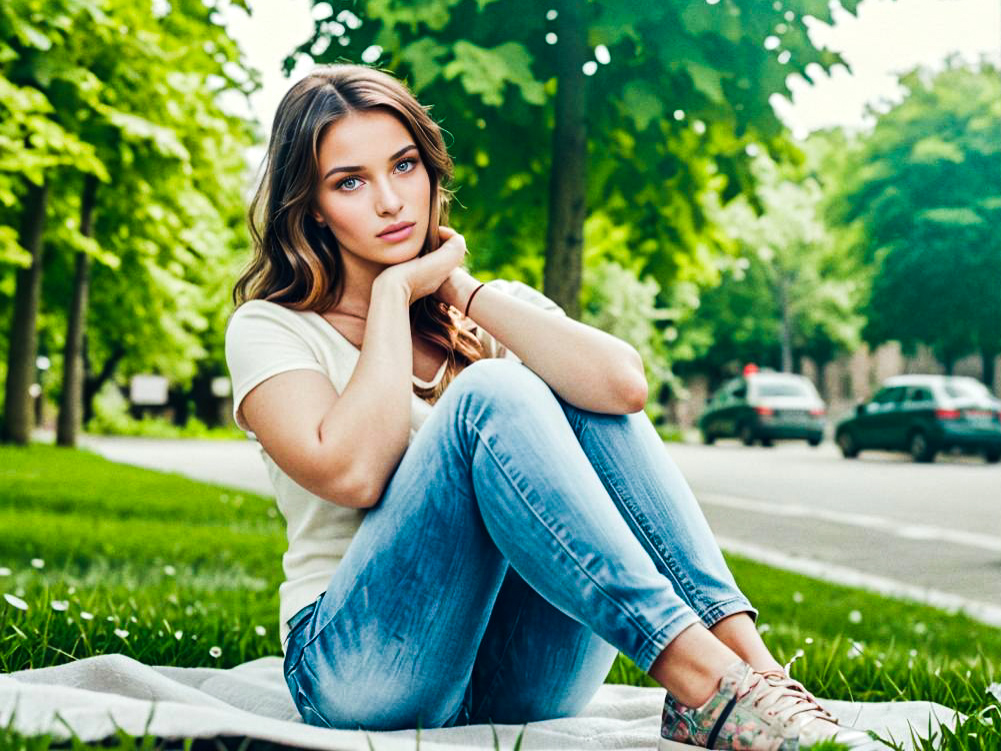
(485, 72)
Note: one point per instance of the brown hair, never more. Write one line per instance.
(296, 261)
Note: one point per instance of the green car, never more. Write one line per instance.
(765, 406)
(925, 414)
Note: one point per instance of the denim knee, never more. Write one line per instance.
(499, 382)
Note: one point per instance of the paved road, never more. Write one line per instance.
(932, 532)
(928, 530)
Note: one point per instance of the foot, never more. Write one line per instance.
(753, 711)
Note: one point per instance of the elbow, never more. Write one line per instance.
(351, 493)
(636, 395)
(635, 389)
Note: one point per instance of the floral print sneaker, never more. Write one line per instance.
(754, 711)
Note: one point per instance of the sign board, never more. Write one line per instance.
(148, 390)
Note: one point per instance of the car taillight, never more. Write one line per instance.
(819, 412)
(765, 411)
(947, 414)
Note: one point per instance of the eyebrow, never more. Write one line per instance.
(399, 153)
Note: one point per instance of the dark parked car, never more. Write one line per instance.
(765, 406)
(925, 414)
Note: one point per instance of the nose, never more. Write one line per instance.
(387, 200)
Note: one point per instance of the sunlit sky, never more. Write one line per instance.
(885, 38)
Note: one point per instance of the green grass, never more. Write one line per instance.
(113, 558)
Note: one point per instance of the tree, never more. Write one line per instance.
(791, 291)
(926, 191)
(676, 93)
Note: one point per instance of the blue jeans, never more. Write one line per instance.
(519, 544)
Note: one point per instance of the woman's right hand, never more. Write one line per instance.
(424, 275)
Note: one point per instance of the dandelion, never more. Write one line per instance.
(215, 652)
(86, 616)
(71, 591)
(38, 563)
(17, 602)
(920, 628)
(857, 649)
(133, 619)
(260, 630)
(110, 618)
(913, 653)
(178, 635)
(121, 632)
(855, 616)
(809, 640)
(797, 597)
(4, 571)
(169, 570)
(60, 604)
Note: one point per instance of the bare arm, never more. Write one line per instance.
(370, 422)
(343, 447)
(588, 367)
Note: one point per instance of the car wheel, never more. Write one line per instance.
(708, 438)
(920, 449)
(747, 435)
(767, 442)
(993, 456)
(814, 441)
(849, 448)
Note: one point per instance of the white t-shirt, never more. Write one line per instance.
(264, 339)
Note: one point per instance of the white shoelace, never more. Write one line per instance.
(786, 699)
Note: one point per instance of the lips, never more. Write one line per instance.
(395, 227)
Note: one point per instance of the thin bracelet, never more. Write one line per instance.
(470, 300)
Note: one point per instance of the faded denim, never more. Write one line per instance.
(519, 544)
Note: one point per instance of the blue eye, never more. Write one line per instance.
(412, 161)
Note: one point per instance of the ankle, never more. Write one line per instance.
(691, 666)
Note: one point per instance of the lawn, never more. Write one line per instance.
(98, 557)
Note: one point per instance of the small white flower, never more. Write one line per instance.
(17, 602)
(86, 616)
(857, 649)
(38, 563)
(110, 619)
(121, 632)
(169, 570)
(809, 640)
(71, 590)
(855, 616)
(4, 571)
(920, 628)
(178, 635)
(260, 630)
(215, 651)
(797, 597)
(764, 628)
(133, 619)
(60, 604)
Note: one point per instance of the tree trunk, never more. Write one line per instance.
(786, 327)
(988, 358)
(93, 383)
(568, 175)
(23, 336)
(68, 424)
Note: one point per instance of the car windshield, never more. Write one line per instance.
(783, 388)
(966, 389)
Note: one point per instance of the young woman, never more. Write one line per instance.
(484, 558)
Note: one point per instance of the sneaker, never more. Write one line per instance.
(754, 711)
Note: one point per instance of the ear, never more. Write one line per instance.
(317, 217)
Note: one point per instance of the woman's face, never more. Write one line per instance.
(372, 178)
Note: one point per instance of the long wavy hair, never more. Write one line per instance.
(296, 261)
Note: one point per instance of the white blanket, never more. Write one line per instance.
(96, 695)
